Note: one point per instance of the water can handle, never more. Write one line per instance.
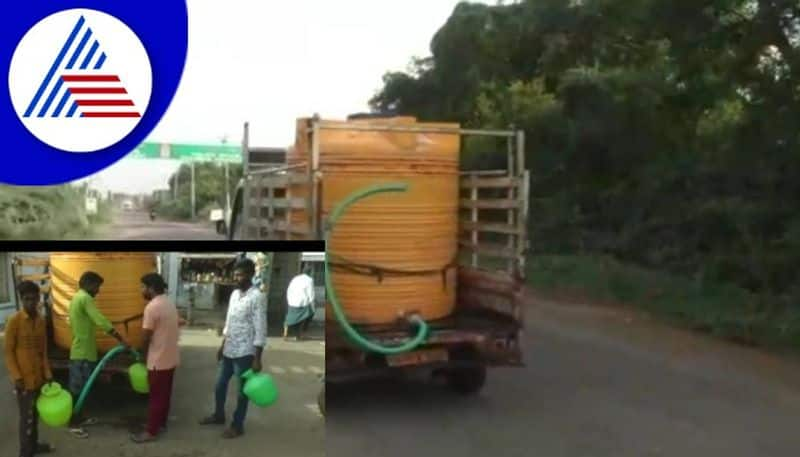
(51, 389)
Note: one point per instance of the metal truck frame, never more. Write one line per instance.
(486, 327)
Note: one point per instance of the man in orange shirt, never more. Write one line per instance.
(26, 359)
(160, 341)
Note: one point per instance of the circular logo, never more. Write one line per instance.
(80, 80)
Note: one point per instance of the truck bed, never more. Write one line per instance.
(59, 360)
(487, 318)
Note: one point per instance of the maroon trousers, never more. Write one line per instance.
(160, 394)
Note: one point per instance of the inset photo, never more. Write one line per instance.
(179, 352)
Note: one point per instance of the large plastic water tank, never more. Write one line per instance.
(412, 231)
(120, 298)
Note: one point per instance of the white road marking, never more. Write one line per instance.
(274, 369)
(314, 408)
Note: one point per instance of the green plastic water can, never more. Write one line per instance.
(54, 405)
(138, 375)
(260, 388)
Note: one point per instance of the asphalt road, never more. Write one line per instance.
(598, 382)
(137, 226)
(292, 427)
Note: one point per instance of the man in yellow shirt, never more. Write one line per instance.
(28, 367)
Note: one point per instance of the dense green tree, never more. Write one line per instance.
(663, 132)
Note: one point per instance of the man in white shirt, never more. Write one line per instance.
(300, 298)
(245, 335)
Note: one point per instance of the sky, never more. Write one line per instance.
(270, 62)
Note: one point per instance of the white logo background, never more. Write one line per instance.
(126, 57)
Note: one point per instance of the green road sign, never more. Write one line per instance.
(188, 152)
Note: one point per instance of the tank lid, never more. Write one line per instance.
(379, 115)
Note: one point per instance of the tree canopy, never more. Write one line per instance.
(663, 132)
(209, 189)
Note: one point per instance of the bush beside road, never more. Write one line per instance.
(723, 310)
(48, 213)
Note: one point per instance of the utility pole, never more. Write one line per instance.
(227, 190)
(227, 182)
(193, 196)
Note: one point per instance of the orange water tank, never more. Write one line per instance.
(120, 298)
(415, 231)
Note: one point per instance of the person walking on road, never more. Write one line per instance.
(300, 298)
(84, 318)
(160, 331)
(244, 339)
(28, 367)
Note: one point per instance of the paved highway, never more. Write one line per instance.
(599, 382)
(138, 226)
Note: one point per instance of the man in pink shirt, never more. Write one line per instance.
(160, 341)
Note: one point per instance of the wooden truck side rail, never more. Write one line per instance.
(268, 201)
(266, 195)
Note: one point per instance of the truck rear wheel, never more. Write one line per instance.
(466, 380)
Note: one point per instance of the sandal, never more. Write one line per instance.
(143, 437)
(43, 448)
(89, 421)
(78, 432)
(212, 420)
(231, 433)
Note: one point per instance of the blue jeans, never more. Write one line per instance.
(79, 373)
(229, 367)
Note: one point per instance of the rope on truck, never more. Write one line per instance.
(366, 269)
(65, 278)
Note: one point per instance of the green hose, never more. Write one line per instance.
(352, 333)
(88, 386)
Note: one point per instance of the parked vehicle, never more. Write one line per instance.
(217, 216)
(484, 330)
